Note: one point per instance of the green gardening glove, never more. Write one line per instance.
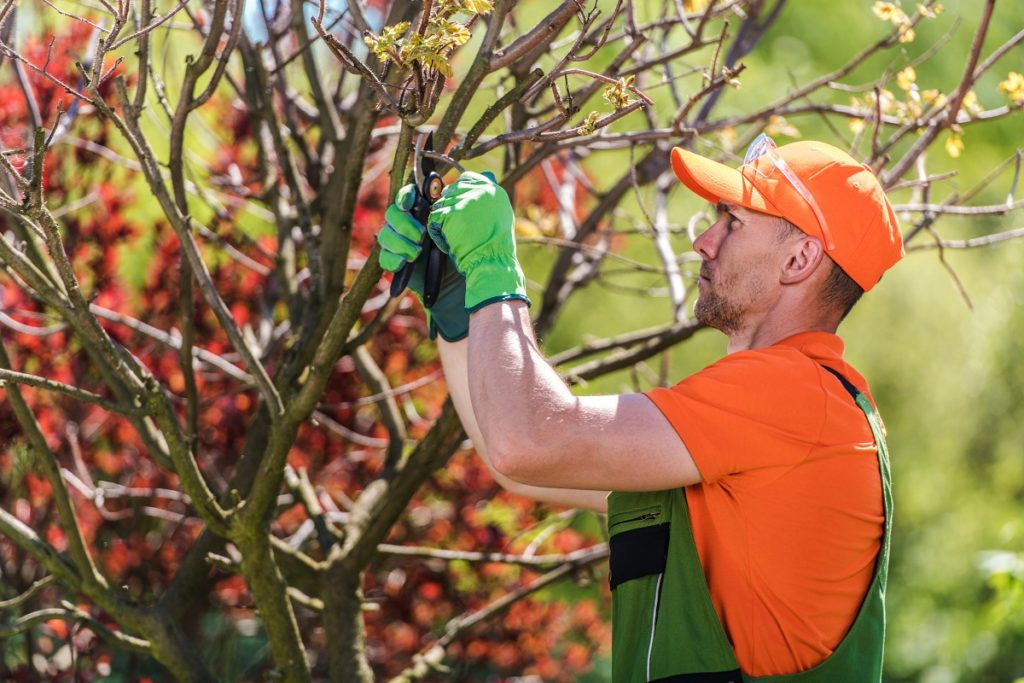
(473, 223)
(400, 241)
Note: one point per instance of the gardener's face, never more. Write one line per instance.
(739, 276)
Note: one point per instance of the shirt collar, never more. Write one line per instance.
(816, 344)
(826, 349)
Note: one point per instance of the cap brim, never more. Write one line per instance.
(717, 182)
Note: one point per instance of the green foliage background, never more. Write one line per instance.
(949, 379)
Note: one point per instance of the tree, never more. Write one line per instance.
(206, 381)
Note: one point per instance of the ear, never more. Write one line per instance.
(803, 256)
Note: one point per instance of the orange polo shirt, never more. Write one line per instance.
(788, 520)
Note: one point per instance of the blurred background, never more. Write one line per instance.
(945, 359)
(939, 339)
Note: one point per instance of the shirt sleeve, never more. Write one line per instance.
(750, 410)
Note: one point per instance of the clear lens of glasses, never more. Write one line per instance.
(763, 145)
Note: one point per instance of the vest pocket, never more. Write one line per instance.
(638, 542)
(638, 550)
(664, 625)
(633, 518)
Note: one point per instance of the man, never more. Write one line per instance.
(750, 508)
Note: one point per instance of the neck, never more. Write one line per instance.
(781, 322)
(761, 337)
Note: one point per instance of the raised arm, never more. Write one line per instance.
(537, 432)
(400, 242)
(454, 358)
(534, 430)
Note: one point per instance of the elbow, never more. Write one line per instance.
(504, 460)
(531, 444)
(520, 459)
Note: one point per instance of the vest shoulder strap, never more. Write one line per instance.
(847, 384)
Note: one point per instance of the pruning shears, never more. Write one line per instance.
(429, 186)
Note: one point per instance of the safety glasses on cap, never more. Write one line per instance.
(763, 145)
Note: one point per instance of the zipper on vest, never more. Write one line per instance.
(654, 622)
(641, 518)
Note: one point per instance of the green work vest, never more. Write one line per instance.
(664, 625)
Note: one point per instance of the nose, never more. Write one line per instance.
(708, 241)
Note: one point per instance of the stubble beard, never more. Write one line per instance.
(716, 311)
(725, 312)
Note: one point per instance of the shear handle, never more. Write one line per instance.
(429, 186)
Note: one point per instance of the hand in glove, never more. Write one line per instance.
(473, 223)
(401, 241)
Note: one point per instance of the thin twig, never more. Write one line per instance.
(149, 27)
(431, 657)
(71, 613)
(13, 54)
(396, 391)
(15, 377)
(473, 556)
(952, 108)
(335, 427)
(973, 243)
(608, 79)
(173, 341)
(27, 595)
(949, 268)
(74, 17)
(349, 60)
(390, 415)
(954, 210)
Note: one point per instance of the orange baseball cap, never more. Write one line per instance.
(860, 230)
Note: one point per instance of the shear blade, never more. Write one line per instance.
(423, 165)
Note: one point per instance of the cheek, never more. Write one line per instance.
(765, 268)
(752, 270)
(739, 255)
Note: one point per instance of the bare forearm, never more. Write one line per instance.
(540, 433)
(454, 358)
(454, 361)
(516, 394)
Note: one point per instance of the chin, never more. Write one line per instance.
(716, 312)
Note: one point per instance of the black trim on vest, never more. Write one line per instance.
(847, 384)
(733, 676)
(637, 552)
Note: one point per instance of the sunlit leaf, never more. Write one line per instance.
(954, 145)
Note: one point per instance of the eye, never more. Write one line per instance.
(731, 221)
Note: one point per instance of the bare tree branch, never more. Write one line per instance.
(70, 613)
(897, 170)
(27, 595)
(274, 168)
(74, 392)
(972, 243)
(430, 659)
